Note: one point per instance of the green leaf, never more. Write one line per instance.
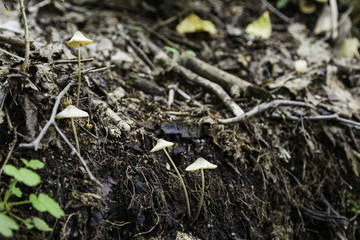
(41, 225)
(36, 204)
(44, 203)
(35, 164)
(23, 175)
(28, 177)
(16, 191)
(11, 170)
(28, 223)
(51, 206)
(7, 225)
(25, 162)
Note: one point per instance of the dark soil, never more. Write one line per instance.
(277, 177)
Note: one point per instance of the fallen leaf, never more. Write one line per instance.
(261, 27)
(193, 23)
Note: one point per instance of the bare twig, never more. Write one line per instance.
(138, 50)
(51, 121)
(335, 117)
(25, 65)
(99, 69)
(73, 61)
(277, 12)
(263, 107)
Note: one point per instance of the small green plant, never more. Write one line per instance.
(355, 207)
(42, 202)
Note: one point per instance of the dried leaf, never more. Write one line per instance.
(193, 23)
(261, 27)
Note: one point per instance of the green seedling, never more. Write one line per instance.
(42, 202)
(162, 145)
(200, 164)
(172, 50)
(72, 112)
(77, 41)
(355, 207)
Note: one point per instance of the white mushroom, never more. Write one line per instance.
(163, 144)
(200, 164)
(78, 40)
(72, 112)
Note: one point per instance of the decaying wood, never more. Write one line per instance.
(211, 86)
(16, 42)
(162, 59)
(234, 85)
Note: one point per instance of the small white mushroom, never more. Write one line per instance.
(163, 144)
(72, 112)
(200, 164)
(300, 66)
(78, 40)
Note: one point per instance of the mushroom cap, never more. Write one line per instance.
(78, 40)
(71, 112)
(161, 144)
(200, 163)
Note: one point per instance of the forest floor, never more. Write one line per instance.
(291, 171)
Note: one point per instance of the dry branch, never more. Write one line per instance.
(25, 65)
(211, 86)
(263, 107)
(234, 85)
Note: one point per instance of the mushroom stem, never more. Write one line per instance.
(75, 135)
(79, 84)
(181, 181)
(202, 195)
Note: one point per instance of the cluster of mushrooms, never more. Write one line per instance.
(78, 40)
(199, 164)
